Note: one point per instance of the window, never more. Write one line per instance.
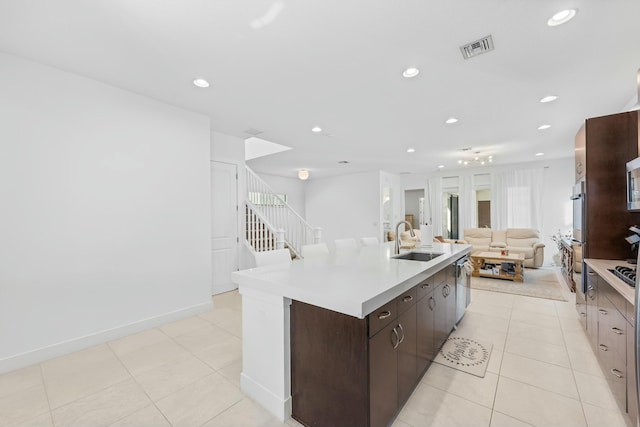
(483, 201)
(450, 203)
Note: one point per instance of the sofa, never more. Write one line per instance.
(407, 241)
(515, 240)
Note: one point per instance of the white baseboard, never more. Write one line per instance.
(278, 407)
(80, 343)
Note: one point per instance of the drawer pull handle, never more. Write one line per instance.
(603, 311)
(617, 331)
(617, 373)
(591, 273)
(425, 286)
(434, 303)
(401, 330)
(603, 347)
(407, 298)
(384, 315)
(397, 343)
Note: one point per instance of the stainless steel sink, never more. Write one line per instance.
(418, 256)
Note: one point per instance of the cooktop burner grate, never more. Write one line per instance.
(626, 274)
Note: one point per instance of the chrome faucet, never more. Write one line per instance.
(413, 234)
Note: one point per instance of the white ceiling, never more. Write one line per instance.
(284, 66)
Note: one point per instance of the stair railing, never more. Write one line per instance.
(276, 212)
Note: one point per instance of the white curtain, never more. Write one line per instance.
(468, 210)
(516, 199)
(433, 205)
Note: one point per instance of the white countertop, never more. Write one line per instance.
(355, 284)
(602, 266)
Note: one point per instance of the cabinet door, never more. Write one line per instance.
(581, 307)
(450, 303)
(424, 342)
(440, 332)
(605, 337)
(383, 375)
(407, 368)
(592, 308)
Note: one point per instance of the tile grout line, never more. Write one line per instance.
(495, 393)
(46, 392)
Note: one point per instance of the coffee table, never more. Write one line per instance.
(480, 258)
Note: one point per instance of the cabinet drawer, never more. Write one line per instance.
(612, 329)
(382, 317)
(614, 296)
(440, 277)
(407, 300)
(425, 288)
(617, 378)
(631, 313)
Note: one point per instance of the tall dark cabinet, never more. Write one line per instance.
(603, 147)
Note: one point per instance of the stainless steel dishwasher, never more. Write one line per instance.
(463, 286)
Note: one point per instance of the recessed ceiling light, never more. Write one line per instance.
(562, 17)
(543, 127)
(316, 129)
(410, 72)
(303, 174)
(451, 120)
(343, 162)
(411, 150)
(539, 154)
(548, 98)
(201, 83)
(440, 166)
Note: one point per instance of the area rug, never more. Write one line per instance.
(465, 354)
(538, 282)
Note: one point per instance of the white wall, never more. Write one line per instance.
(294, 188)
(344, 206)
(105, 218)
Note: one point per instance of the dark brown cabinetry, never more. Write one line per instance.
(610, 333)
(426, 350)
(612, 344)
(406, 347)
(383, 387)
(591, 297)
(359, 372)
(609, 143)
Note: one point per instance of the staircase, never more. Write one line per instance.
(271, 222)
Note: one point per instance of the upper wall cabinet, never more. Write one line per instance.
(610, 142)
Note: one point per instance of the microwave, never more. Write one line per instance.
(633, 185)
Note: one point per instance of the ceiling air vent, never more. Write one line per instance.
(477, 47)
(252, 131)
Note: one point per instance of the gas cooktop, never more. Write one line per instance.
(626, 274)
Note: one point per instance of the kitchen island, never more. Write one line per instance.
(312, 330)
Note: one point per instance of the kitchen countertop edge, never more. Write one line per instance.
(602, 266)
(406, 275)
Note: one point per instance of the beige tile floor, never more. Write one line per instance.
(542, 372)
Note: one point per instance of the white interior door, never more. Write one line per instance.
(224, 238)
